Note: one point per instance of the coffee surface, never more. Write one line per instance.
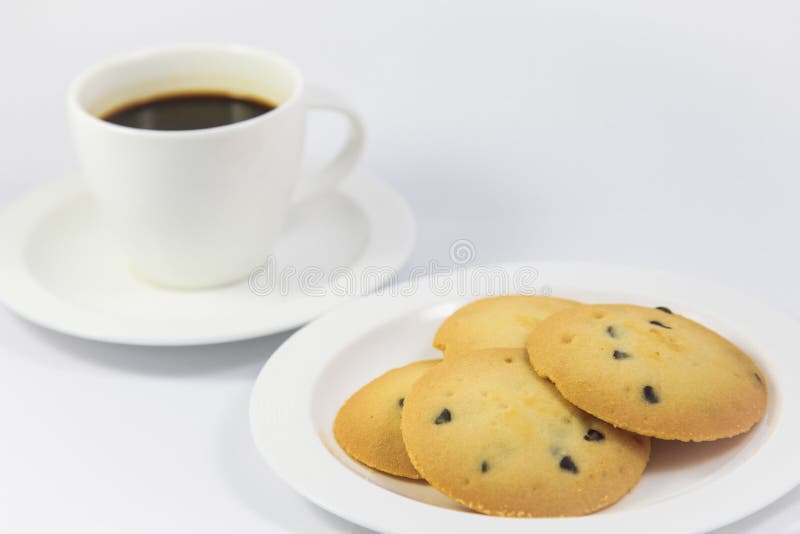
(188, 111)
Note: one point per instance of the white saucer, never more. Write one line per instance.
(61, 269)
(686, 488)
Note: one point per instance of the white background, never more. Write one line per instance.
(662, 134)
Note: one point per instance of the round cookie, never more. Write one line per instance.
(495, 322)
(650, 371)
(487, 431)
(367, 426)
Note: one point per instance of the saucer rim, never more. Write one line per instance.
(391, 235)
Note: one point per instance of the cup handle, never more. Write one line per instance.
(336, 170)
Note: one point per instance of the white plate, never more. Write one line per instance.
(686, 487)
(60, 268)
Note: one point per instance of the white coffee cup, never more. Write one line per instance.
(200, 208)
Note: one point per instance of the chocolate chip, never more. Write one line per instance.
(444, 417)
(567, 464)
(664, 309)
(484, 466)
(611, 332)
(620, 355)
(594, 435)
(401, 401)
(649, 395)
(662, 325)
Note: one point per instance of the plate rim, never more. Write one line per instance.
(373, 310)
(391, 234)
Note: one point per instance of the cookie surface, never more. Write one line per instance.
(650, 371)
(487, 431)
(367, 426)
(495, 322)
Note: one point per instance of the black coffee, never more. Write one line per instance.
(188, 111)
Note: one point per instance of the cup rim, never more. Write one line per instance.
(80, 81)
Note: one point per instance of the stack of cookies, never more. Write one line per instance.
(545, 407)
